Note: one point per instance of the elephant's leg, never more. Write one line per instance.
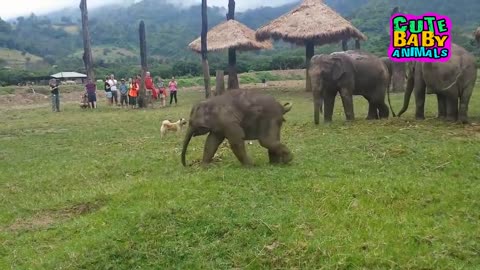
(452, 108)
(329, 102)
(211, 146)
(347, 100)
(442, 106)
(372, 110)
(277, 152)
(464, 101)
(383, 110)
(420, 89)
(235, 136)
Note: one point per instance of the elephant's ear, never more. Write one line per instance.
(337, 69)
(287, 107)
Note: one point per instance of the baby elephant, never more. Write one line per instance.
(239, 115)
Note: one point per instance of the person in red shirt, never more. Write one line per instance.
(149, 85)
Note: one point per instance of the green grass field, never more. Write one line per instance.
(101, 190)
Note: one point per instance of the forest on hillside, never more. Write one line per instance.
(56, 37)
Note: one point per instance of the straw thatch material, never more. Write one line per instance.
(477, 35)
(231, 34)
(311, 21)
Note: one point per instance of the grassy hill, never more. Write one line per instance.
(109, 54)
(17, 59)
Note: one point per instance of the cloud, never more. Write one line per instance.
(40, 7)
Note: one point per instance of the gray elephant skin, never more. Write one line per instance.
(453, 83)
(239, 115)
(349, 73)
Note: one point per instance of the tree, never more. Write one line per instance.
(206, 69)
(232, 53)
(143, 59)
(87, 48)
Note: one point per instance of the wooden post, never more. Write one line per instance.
(232, 53)
(310, 51)
(398, 68)
(220, 85)
(477, 36)
(344, 45)
(87, 48)
(142, 99)
(205, 67)
(357, 44)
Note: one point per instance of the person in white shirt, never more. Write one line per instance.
(113, 87)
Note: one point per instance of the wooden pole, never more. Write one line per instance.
(357, 44)
(309, 52)
(87, 48)
(398, 69)
(232, 53)
(142, 100)
(205, 67)
(344, 45)
(220, 85)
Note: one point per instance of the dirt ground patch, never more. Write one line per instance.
(23, 97)
(46, 218)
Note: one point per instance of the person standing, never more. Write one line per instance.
(55, 95)
(108, 91)
(91, 90)
(173, 90)
(162, 92)
(123, 93)
(114, 89)
(133, 93)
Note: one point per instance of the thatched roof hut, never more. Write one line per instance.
(311, 23)
(477, 35)
(231, 34)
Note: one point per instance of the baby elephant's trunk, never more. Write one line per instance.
(186, 142)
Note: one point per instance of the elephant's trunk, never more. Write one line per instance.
(186, 142)
(408, 94)
(388, 96)
(318, 105)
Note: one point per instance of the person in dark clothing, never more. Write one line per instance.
(91, 91)
(55, 95)
(173, 86)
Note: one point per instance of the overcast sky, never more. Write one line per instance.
(15, 8)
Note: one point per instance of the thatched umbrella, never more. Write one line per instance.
(231, 34)
(477, 35)
(311, 23)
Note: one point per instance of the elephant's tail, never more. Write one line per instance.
(186, 142)
(388, 97)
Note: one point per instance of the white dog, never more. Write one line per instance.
(169, 126)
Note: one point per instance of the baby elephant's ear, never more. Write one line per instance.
(287, 107)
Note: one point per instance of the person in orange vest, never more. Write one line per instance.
(133, 93)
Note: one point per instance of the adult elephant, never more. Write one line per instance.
(453, 83)
(239, 115)
(349, 73)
